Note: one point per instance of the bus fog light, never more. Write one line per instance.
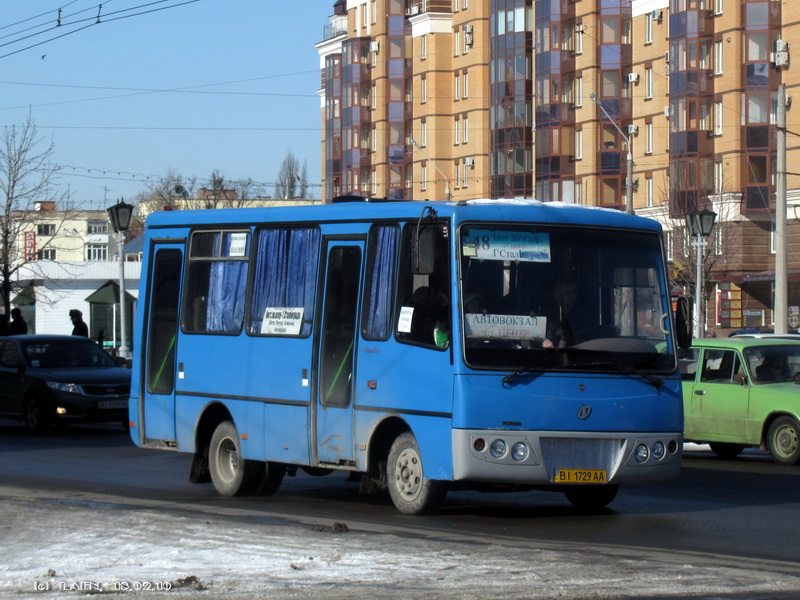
(642, 453)
(498, 448)
(673, 446)
(479, 444)
(519, 451)
(658, 450)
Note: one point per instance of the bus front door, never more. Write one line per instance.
(336, 353)
(157, 396)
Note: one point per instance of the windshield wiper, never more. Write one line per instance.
(509, 379)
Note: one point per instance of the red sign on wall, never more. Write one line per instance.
(30, 246)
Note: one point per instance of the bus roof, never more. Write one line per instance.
(513, 210)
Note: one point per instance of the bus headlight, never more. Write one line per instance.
(498, 448)
(519, 451)
(641, 453)
(658, 450)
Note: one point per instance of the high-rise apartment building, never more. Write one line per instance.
(556, 99)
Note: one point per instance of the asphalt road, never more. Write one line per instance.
(740, 513)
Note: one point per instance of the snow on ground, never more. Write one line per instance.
(69, 548)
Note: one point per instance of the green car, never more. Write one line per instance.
(740, 392)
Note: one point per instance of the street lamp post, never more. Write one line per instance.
(629, 170)
(447, 194)
(120, 215)
(699, 225)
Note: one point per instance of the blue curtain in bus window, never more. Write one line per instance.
(286, 273)
(381, 290)
(226, 291)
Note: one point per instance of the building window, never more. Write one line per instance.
(718, 177)
(579, 192)
(46, 254)
(718, 57)
(648, 138)
(457, 41)
(579, 91)
(648, 28)
(374, 96)
(423, 184)
(457, 136)
(424, 90)
(458, 174)
(648, 83)
(579, 144)
(374, 11)
(97, 252)
(98, 227)
(457, 87)
(424, 133)
(465, 179)
(465, 87)
(578, 39)
(46, 229)
(424, 51)
(718, 118)
(717, 7)
(648, 187)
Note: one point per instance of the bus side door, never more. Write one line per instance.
(157, 397)
(333, 421)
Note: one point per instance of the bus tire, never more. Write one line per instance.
(231, 474)
(591, 497)
(410, 491)
(783, 440)
(272, 479)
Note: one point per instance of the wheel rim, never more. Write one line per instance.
(227, 460)
(785, 439)
(408, 474)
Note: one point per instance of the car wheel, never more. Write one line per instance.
(35, 417)
(783, 440)
(591, 497)
(231, 474)
(410, 491)
(726, 451)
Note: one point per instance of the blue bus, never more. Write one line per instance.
(426, 346)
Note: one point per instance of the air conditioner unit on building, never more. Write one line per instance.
(779, 59)
(666, 56)
(666, 111)
(467, 39)
(633, 130)
(633, 77)
(781, 46)
(468, 29)
(469, 161)
(374, 47)
(414, 10)
(657, 15)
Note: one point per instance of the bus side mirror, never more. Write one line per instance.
(683, 323)
(424, 252)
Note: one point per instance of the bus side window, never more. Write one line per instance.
(424, 314)
(216, 281)
(381, 282)
(284, 282)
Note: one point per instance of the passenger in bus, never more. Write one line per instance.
(474, 304)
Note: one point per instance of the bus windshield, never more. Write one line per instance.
(549, 297)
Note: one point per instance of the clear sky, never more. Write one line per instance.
(160, 85)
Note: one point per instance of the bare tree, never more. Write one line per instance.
(168, 193)
(27, 189)
(292, 179)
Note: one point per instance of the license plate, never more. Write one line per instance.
(580, 476)
(106, 404)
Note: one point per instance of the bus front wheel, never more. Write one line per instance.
(410, 491)
(231, 474)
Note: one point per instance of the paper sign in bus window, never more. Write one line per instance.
(489, 244)
(505, 327)
(238, 244)
(282, 321)
(404, 321)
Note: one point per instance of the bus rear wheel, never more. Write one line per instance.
(231, 474)
(591, 497)
(410, 491)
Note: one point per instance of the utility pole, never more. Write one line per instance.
(781, 310)
(629, 170)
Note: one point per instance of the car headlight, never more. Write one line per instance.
(71, 388)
